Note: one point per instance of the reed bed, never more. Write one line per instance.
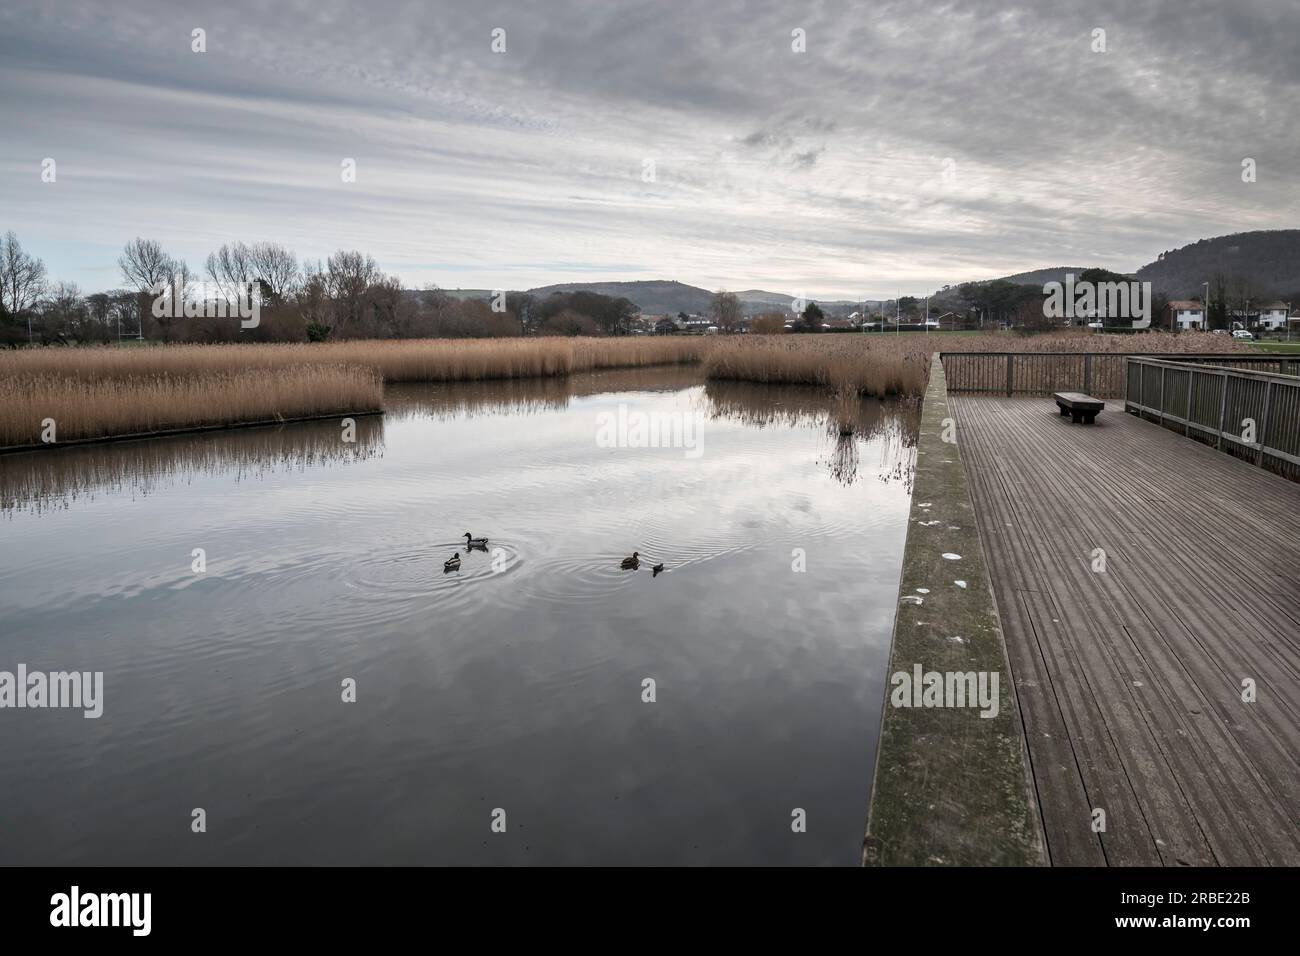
(411, 360)
(81, 408)
(893, 364)
(104, 392)
(885, 365)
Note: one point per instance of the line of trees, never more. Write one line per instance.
(345, 296)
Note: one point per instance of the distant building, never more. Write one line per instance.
(1273, 316)
(666, 326)
(1186, 314)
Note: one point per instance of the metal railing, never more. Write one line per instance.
(1097, 373)
(1251, 414)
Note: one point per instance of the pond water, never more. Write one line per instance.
(518, 683)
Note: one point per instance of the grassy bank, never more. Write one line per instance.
(82, 409)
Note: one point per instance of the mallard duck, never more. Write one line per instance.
(658, 569)
(472, 542)
(452, 563)
(632, 563)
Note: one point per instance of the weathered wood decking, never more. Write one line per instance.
(1129, 679)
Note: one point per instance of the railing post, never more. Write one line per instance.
(1142, 388)
(1263, 424)
(1223, 408)
(1087, 374)
(1162, 394)
(1191, 384)
(1010, 379)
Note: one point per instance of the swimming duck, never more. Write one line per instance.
(658, 569)
(632, 563)
(471, 542)
(452, 563)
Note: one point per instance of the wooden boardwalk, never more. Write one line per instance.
(1129, 680)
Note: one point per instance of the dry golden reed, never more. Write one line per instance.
(101, 392)
(99, 408)
(899, 364)
(410, 360)
(884, 365)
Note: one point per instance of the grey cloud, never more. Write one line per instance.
(470, 159)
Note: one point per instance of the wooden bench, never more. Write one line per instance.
(1080, 407)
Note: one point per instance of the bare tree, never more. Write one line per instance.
(180, 281)
(314, 304)
(235, 267)
(349, 276)
(725, 311)
(393, 310)
(276, 268)
(144, 264)
(22, 280)
(99, 317)
(231, 269)
(64, 313)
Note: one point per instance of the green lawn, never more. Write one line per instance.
(1276, 346)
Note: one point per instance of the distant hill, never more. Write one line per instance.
(1041, 276)
(661, 297)
(654, 297)
(1269, 261)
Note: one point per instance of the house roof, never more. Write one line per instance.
(1185, 304)
(1275, 305)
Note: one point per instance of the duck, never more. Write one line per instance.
(472, 542)
(632, 563)
(658, 569)
(452, 563)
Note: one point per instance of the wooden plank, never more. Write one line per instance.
(1130, 680)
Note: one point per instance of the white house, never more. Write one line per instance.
(1273, 316)
(1187, 314)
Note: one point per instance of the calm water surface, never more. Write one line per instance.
(516, 683)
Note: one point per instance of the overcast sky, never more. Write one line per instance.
(909, 146)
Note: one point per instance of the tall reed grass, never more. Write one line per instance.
(101, 392)
(411, 360)
(886, 365)
(892, 364)
(81, 408)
